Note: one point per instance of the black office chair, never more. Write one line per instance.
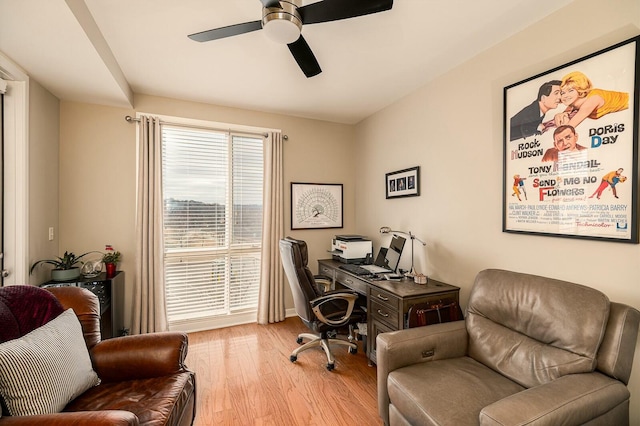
(323, 311)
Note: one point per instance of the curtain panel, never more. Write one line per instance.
(271, 298)
(149, 314)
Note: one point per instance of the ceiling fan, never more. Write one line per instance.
(283, 20)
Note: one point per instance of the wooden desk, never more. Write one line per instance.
(388, 302)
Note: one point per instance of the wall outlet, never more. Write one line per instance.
(51, 233)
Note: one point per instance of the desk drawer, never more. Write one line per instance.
(351, 282)
(385, 298)
(326, 271)
(382, 312)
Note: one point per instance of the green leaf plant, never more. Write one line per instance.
(68, 261)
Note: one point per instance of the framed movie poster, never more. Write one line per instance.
(403, 183)
(316, 205)
(571, 149)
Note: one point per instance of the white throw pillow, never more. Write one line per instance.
(44, 370)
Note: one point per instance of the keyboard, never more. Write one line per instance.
(375, 269)
(355, 269)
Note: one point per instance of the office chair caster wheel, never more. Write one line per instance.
(299, 340)
(353, 351)
(330, 367)
(293, 358)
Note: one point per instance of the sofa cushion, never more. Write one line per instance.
(155, 401)
(447, 392)
(45, 369)
(534, 329)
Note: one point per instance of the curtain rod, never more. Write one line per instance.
(130, 119)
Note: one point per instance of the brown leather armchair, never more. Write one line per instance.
(143, 378)
(531, 351)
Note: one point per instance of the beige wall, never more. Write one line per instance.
(452, 128)
(98, 165)
(97, 182)
(44, 134)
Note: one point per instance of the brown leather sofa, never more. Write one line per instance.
(143, 378)
(531, 351)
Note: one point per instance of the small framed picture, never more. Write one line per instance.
(316, 205)
(403, 183)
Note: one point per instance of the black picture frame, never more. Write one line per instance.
(403, 183)
(572, 170)
(316, 205)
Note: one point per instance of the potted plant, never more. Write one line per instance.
(110, 258)
(65, 267)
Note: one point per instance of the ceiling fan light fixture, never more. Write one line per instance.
(282, 25)
(282, 21)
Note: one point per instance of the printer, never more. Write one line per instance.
(351, 248)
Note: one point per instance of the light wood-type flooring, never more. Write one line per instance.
(244, 377)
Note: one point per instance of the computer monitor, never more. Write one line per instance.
(397, 244)
(389, 258)
(394, 252)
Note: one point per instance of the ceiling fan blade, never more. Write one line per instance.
(304, 57)
(229, 31)
(271, 3)
(334, 10)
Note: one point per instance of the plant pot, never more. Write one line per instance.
(110, 269)
(65, 274)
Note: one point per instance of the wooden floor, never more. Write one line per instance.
(244, 377)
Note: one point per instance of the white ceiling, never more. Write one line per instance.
(100, 51)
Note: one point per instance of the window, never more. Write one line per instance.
(212, 192)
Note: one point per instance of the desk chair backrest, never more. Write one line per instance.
(303, 286)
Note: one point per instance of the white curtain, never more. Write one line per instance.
(271, 299)
(149, 314)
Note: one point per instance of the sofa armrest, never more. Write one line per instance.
(78, 418)
(401, 348)
(574, 399)
(140, 356)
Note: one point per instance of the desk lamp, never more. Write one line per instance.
(387, 230)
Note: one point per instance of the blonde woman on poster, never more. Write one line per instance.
(584, 101)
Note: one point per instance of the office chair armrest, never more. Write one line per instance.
(323, 283)
(316, 306)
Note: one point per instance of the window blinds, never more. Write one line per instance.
(212, 191)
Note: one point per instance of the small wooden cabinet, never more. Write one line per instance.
(388, 302)
(110, 292)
